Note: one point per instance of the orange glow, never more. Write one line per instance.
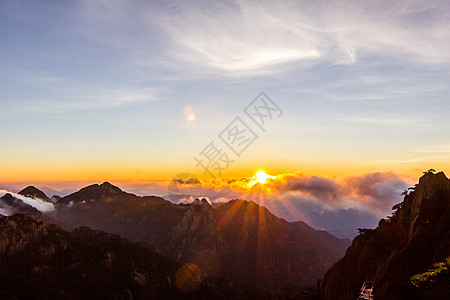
(260, 177)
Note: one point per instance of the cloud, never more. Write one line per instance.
(5, 211)
(435, 149)
(254, 37)
(187, 181)
(247, 38)
(375, 192)
(340, 205)
(78, 94)
(379, 191)
(41, 205)
(377, 121)
(320, 188)
(336, 205)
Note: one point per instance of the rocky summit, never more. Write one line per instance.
(33, 192)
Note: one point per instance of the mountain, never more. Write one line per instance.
(42, 261)
(238, 239)
(406, 254)
(13, 205)
(59, 193)
(33, 192)
(93, 192)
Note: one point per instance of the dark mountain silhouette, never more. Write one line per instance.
(95, 192)
(408, 243)
(33, 192)
(42, 261)
(55, 198)
(238, 239)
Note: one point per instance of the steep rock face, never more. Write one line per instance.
(407, 243)
(425, 189)
(238, 239)
(42, 261)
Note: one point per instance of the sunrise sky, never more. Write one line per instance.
(131, 92)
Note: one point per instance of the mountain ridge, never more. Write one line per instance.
(207, 235)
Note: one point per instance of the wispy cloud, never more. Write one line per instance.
(378, 121)
(395, 161)
(59, 93)
(435, 149)
(258, 36)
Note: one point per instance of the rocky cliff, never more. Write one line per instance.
(409, 242)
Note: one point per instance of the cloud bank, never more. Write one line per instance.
(336, 205)
(41, 205)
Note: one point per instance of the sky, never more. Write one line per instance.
(132, 91)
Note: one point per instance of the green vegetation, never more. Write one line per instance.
(438, 274)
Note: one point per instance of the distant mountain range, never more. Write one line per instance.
(238, 239)
(235, 250)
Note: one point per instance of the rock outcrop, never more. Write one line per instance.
(415, 237)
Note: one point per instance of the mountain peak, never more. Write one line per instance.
(93, 192)
(7, 197)
(110, 188)
(429, 183)
(202, 201)
(33, 192)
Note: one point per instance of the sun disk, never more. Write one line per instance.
(260, 177)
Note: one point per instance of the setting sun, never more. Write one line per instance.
(260, 177)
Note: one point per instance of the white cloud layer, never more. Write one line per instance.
(39, 204)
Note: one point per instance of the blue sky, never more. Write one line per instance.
(90, 88)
